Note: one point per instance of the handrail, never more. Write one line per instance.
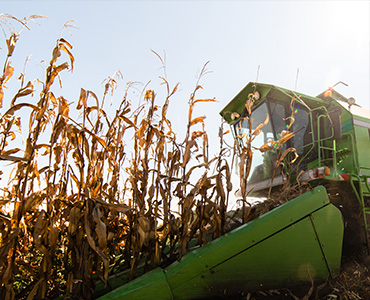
(320, 140)
(360, 197)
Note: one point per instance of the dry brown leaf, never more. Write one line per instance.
(55, 70)
(101, 228)
(288, 135)
(55, 55)
(258, 130)
(53, 237)
(82, 100)
(63, 107)
(9, 152)
(115, 207)
(234, 115)
(1, 96)
(127, 120)
(62, 40)
(92, 244)
(286, 152)
(16, 107)
(143, 230)
(9, 70)
(197, 120)
(248, 105)
(65, 49)
(39, 232)
(204, 100)
(34, 290)
(187, 153)
(99, 139)
(11, 43)
(28, 89)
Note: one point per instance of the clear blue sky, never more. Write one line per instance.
(327, 40)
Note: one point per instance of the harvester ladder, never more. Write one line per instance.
(334, 151)
(321, 146)
(362, 192)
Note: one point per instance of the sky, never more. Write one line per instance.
(327, 41)
(302, 45)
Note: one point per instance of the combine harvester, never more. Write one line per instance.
(303, 240)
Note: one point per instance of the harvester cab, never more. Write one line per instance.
(329, 134)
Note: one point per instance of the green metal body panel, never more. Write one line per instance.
(362, 135)
(149, 286)
(284, 247)
(355, 142)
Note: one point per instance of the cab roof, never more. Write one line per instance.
(237, 104)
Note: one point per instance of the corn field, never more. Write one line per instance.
(88, 198)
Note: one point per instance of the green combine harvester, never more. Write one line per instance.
(303, 240)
